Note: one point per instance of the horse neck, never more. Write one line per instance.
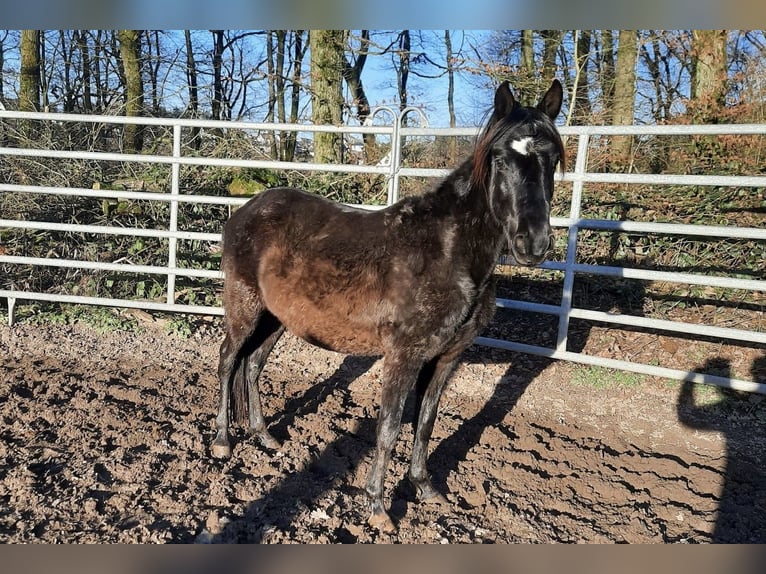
(480, 212)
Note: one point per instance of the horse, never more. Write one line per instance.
(413, 282)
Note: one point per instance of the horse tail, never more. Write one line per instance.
(240, 395)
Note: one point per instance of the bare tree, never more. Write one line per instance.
(528, 53)
(449, 57)
(218, 107)
(3, 38)
(154, 63)
(551, 42)
(402, 56)
(327, 57)
(130, 55)
(624, 93)
(582, 108)
(606, 68)
(29, 80)
(352, 73)
(298, 53)
(85, 66)
(191, 79)
(709, 78)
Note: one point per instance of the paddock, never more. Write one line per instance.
(105, 435)
(104, 441)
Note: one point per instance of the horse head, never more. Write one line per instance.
(515, 161)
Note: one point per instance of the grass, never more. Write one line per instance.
(102, 319)
(603, 378)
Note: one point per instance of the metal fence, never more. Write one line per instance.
(393, 169)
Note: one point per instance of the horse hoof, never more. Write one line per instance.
(382, 522)
(268, 441)
(220, 450)
(428, 494)
(436, 498)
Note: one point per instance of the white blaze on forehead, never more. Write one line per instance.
(522, 145)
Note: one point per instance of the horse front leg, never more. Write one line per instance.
(432, 380)
(398, 378)
(431, 383)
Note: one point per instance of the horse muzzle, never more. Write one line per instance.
(531, 248)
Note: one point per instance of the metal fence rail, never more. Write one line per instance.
(394, 170)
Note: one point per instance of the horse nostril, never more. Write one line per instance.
(551, 242)
(520, 242)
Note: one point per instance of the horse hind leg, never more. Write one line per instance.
(268, 333)
(229, 363)
(249, 326)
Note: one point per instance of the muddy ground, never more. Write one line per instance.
(104, 438)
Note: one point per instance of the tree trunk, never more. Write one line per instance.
(528, 54)
(98, 50)
(709, 81)
(67, 52)
(450, 80)
(44, 78)
(403, 70)
(29, 82)
(551, 43)
(708, 91)
(87, 98)
(191, 77)
(217, 104)
(130, 54)
(299, 50)
(270, 82)
(607, 68)
(582, 111)
(279, 73)
(624, 94)
(327, 56)
(450, 94)
(2, 66)
(353, 76)
(155, 60)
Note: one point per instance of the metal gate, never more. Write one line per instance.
(394, 169)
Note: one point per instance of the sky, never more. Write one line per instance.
(430, 94)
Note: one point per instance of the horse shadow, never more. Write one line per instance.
(741, 516)
(597, 293)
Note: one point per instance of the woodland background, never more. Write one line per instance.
(328, 76)
(618, 77)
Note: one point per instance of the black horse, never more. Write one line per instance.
(413, 282)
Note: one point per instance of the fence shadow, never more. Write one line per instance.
(741, 516)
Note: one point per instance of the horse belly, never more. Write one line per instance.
(332, 322)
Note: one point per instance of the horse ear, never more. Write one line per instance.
(550, 105)
(504, 100)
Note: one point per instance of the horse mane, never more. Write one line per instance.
(494, 131)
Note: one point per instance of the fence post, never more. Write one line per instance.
(175, 183)
(574, 217)
(396, 150)
(396, 161)
(11, 308)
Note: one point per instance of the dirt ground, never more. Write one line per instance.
(105, 438)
